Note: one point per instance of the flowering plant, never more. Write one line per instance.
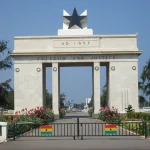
(109, 115)
(90, 111)
(39, 115)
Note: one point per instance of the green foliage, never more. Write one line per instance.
(129, 109)
(62, 98)
(39, 115)
(5, 63)
(104, 96)
(109, 115)
(138, 116)
(5, 88)
(62, 112)
(135, 127)
(48, 99)
(90, 111)
(10, 100)
(5, 58)
(144, 85)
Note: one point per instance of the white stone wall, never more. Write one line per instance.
(119, 51)
(123, 85)
(28, 85)
(97, 43)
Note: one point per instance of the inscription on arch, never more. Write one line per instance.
(77, 57)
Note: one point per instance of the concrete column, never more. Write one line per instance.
(55, 89)
(123, 85)
(28, 85)
(96, 83)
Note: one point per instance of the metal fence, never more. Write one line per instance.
(81, 129)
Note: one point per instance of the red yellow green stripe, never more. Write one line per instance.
(46, 129)
(110, 126)
(46, 132)
(110, 129)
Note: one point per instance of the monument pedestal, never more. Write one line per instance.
(75, 32)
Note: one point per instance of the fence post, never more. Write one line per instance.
(14, 131)
(78, 127)
(145, 126)
(4, 129)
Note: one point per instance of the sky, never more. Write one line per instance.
(44, 17)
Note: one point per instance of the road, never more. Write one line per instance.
(67, 143)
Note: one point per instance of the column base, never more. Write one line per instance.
(56, 117)
(95, 116)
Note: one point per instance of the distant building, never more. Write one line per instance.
(88, 100)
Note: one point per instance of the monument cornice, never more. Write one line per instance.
(76, 36)
(79, 53)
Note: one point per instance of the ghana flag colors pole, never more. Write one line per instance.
(110, 129)
(46, 129)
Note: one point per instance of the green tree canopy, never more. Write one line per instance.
(144, 85)
(5, 63)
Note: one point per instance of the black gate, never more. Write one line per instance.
(79, 130)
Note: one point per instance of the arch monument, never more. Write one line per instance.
(76, 45)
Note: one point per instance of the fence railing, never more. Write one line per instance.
(80, 129)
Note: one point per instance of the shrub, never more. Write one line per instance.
(62, 112)
(138, 116)
(129, 109)
(39, 115)
(90, 111)
(109, 115)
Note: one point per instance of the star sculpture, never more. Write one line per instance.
(75, 19)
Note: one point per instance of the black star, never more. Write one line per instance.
(75, 19)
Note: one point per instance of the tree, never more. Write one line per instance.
(5, 58)
(5, 63)
(62, 98)
(145, 77)
(90, 104)
(104, 96)
(48, 99)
